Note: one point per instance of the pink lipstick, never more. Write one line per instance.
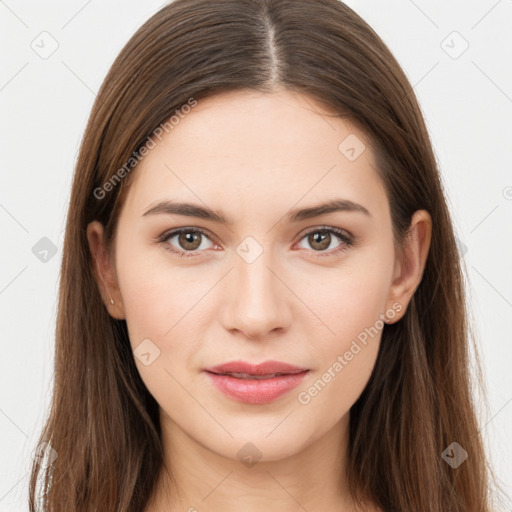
(256, 384)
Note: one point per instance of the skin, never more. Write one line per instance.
(254, 157)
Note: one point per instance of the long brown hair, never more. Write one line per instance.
(103, 423)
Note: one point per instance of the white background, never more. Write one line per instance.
(45, 103)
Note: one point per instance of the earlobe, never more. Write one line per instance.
(410, 265)
(103, 271)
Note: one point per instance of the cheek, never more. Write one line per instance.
(351, 304)
(161, 311)
(166, 306)
(345, 358)
(351, 298)
(330, 392)
(155, 296)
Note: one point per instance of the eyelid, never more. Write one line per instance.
(342, 233)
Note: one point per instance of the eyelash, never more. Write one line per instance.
(347, 241)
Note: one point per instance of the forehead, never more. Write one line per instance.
(246, 146)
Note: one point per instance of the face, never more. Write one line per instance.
(310, 290)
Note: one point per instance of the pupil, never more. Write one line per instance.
(189, 240)
(320, 237)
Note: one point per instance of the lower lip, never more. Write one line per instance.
(253, 391)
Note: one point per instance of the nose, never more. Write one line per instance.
(258, 300)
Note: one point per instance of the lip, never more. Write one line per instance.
(256, 390)
(265, 368)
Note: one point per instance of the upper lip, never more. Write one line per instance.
(265, 368)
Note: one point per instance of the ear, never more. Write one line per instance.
(410, 265)
(104, 271)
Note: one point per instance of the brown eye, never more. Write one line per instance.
(188, 241)
(320, 241)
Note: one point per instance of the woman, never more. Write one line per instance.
(261, 302)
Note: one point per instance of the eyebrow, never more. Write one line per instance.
(193, 210)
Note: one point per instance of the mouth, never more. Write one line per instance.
(256, 384)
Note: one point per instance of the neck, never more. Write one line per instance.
(201, 480)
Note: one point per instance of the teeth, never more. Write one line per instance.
(249, 376)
